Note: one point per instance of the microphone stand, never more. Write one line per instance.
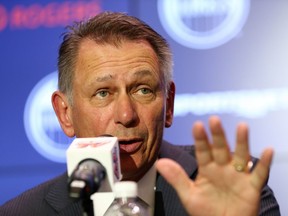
(85, 180)
(87, 206)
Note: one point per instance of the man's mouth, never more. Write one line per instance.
(129, 146)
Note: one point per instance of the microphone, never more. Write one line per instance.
(86, 179)
(93, 166)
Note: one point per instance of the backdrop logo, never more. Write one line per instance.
(52, 14)
(203, 24)
(41, 124)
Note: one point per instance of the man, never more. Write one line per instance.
(115, 77)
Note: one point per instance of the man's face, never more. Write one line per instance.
(118, 91)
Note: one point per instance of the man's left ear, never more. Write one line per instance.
(170, 105)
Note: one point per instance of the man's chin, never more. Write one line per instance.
(132, 177)
(131, 173)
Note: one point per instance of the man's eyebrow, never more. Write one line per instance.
(104, 78)
(142, 73)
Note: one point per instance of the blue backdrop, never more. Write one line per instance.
(230, 59)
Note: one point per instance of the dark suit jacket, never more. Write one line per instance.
(52, 197)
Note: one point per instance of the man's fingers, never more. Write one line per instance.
(242, 155)
(261, 171)
(202, 146)
(176, 176)
(220, 148)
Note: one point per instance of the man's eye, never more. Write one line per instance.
(145, 91)
(102, 94)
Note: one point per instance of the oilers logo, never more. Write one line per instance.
(41, 124)
(203, 24)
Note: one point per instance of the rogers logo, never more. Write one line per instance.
(53, 14)
(203, 24)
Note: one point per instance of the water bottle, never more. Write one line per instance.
(126, 202)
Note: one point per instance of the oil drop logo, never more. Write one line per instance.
(203, 24)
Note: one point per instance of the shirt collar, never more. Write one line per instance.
(146, 187)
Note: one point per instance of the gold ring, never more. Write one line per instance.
(239, 167)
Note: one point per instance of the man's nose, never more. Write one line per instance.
(125, 111)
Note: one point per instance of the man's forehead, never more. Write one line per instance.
(139, 74)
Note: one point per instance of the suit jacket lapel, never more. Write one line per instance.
(58, 198)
